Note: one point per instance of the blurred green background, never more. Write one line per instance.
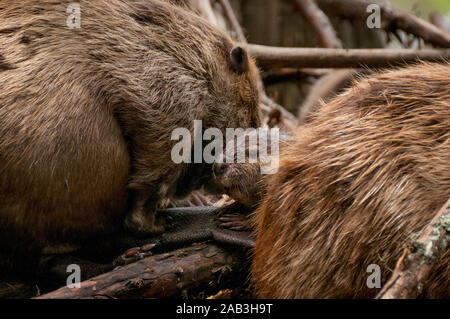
(423, 7)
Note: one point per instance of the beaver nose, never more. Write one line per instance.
(219, 169)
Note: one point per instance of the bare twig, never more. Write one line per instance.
(391, 19)
(325, 32)
(416, 263)
(276, 57)
(327, 38)
(231, 17)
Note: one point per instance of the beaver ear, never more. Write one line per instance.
(239, 59)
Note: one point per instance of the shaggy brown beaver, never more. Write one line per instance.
(87, 113)
(369, 171)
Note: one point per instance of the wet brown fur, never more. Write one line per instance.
(324, 90)
(369, 172)
(86, 115)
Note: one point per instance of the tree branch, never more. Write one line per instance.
(322, 26)
(416, 263)
(276, 57)
(231, 17)
(391, 19)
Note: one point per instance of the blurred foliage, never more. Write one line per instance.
(423, 8)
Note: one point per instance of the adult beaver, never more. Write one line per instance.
(371, 169)
(87, 113)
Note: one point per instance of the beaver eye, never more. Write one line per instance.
(239, 60)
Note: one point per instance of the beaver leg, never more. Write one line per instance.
(184, 226)
(142, 220)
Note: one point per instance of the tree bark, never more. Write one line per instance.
(416, 263)
(171, 274)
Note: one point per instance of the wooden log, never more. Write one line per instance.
(166, 275)
(416, 262)
(276, 57)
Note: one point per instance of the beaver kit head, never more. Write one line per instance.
(369, 171)
(244, 180)
(88, 110)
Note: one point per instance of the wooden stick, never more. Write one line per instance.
(277, 57)
(166, 275)
(390, 19)
(415, 264)
(327, 38)
(231, 17)
(322, 26)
